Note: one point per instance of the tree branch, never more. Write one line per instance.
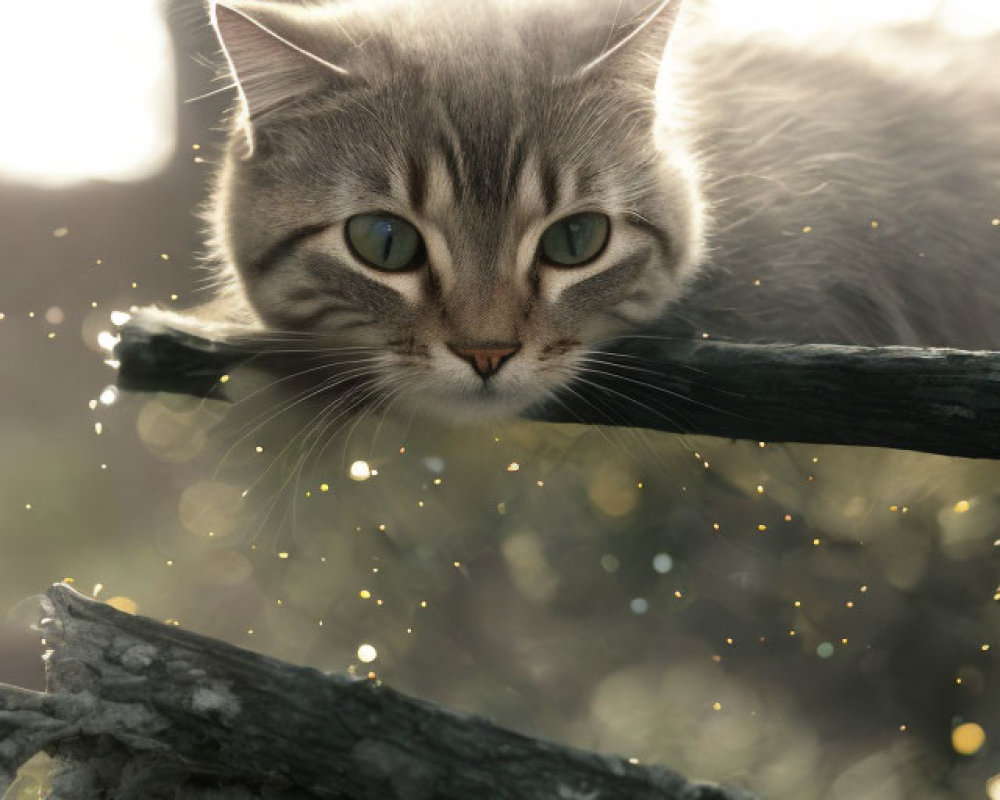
(139, 709)
(929, 399)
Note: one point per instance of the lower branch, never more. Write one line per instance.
(138, 709)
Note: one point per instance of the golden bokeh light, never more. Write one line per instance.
(968, 738)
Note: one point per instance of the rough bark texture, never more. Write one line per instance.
(927, 399)
(138, 709)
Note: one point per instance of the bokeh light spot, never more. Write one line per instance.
(968, 738)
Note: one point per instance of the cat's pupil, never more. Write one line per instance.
(573, 238)
(387, 232)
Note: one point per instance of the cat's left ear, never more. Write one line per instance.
(272, 52)
(634, 51)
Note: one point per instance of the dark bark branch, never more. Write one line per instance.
(928, 399)
(138, 709)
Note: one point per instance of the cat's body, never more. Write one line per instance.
(779, 196)
(849, 202)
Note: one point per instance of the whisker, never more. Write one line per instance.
(228, 87)
(361, 397)
(599, 428)
(626, 431)
(662, 390)
(369, 411)
(301, 397)
(606, 389)
(646, 337)
(308, 428)
(300, 373)
(367, 393)
(278, 493)
(271, 414)
(304, 351)
(589, 360)
(388, 402)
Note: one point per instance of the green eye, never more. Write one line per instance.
(385, 242)
(575, 240)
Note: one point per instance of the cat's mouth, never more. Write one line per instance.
(485, 383)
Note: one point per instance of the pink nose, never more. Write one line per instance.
(485, 360)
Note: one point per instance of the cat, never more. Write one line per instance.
(401, 181)
(478, 196)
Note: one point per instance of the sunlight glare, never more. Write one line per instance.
(797, 19)
(88, 90)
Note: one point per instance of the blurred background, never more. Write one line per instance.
(811, 622)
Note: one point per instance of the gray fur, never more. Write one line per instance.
(833, 143)
(483, 121)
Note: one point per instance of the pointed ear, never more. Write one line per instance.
(267, 48)
(634, 51)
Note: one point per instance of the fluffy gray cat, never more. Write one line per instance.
(478, 195)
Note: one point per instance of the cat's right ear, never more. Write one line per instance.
(267, 47)
(634, 51)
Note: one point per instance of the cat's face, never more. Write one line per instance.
(454, 188)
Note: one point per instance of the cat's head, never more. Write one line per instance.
(478, 191)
